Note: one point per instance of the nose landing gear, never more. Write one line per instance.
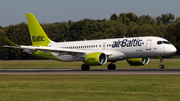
(161, 66)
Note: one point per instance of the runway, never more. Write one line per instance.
(92, 71)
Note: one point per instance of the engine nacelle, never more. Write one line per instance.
(96, 58)
(138, 61)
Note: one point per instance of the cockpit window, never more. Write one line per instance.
(163, 42)
(159, 42)
(166, 42)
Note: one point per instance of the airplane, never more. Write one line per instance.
(136, 50)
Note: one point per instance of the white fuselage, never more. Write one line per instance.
(118, 48)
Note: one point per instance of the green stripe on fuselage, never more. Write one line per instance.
(48, 55)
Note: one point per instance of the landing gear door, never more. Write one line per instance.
(148, 44)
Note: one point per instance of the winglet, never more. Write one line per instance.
(10, 42)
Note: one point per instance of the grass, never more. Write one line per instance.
(154, 63)
(89, 88)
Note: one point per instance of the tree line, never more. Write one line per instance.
(117, 26)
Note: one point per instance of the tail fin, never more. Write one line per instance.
(38, 36)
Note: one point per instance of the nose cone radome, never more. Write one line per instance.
(171, 49)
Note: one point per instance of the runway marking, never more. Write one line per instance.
(92, 71)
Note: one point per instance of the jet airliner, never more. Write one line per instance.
(136, 50)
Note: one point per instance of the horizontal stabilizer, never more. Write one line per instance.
(10, 42)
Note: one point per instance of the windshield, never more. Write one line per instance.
(159, 42)
(163, 42)
(166, 42)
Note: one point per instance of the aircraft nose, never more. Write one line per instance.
(171, 50)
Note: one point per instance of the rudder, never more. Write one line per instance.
(38, 36)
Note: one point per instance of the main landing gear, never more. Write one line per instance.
(85, 67)
(161, 66)
(111, 66)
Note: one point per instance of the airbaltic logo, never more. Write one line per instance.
(91, 59)
(128, 43)
(37, 38)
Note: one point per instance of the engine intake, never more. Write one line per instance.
(97, 58)
(138, 61)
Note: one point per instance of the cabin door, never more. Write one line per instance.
(148, 44)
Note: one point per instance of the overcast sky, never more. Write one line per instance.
(48, 11)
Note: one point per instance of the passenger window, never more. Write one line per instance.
(159, 42)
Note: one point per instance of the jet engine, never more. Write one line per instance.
(96, 58)
(138, 61)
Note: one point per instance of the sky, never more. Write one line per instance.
(13, 12)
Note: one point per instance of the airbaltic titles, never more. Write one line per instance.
(128, 43)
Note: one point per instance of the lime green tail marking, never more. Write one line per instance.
(38, 36)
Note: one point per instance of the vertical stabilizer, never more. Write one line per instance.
(38, 36)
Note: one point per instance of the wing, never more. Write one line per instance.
(50, 49)
(55, 49)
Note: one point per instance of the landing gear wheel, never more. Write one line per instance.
(161, 66)
(111, 66)
(85, 67)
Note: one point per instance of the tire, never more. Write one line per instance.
(111, 67)
(85, 67)
(161, 66)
